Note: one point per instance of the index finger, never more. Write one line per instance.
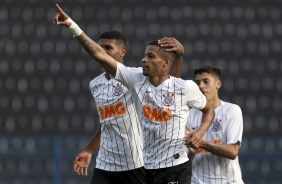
(59, 8)
(189, 128)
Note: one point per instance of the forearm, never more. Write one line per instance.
(207, 119)
(97, 53)
(94, 143)
(223, 150)
(177, 67)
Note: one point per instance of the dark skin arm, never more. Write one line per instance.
(93, 48)
(98, 53)
(83, 159)
(194, 138)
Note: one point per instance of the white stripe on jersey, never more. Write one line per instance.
(121, 135)
(227, 128)
(163, 112)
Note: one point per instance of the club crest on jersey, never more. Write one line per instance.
(118, 89)
(216, 126)
(168, 99)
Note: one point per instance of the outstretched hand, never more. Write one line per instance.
(60, 17)
(173, 45)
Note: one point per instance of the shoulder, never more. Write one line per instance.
(231, 107)
(184, 83)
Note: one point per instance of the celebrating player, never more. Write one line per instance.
(216, 161)
(120, 157)
(162, 104)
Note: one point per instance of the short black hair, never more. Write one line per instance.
(169, 54)
(216, 71)
(154, 42)
(115, 35)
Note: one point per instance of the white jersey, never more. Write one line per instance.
(121, 135)
(163, 112)
(227, 128)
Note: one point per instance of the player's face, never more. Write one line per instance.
(152, 63)
(208, 84)
(113, 48)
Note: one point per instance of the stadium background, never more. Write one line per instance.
(47, 111)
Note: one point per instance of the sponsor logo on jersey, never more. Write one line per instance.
(118, 89)
(168, 99)
(156, 114)
(112, 110)
(216, 126)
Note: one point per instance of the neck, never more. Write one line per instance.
(215, 102)
(107, 75)
(155, 81)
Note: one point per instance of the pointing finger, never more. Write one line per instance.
(59, 9)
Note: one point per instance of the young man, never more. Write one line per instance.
(120, 157)
(162, 104)
(216, 161)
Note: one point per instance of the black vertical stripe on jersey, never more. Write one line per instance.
(165, 130)
(141, 117)
(221, 158)
(108, 91)
(179, 119)
(103, 128)
(118, 125)
(98, 91)
(139, 131)
(106, 128)
(124, 123)
(159, 132)
(208, 158)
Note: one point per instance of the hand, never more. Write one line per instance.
(193, 138)
(60, 17)
(81, 163)
(173, 45)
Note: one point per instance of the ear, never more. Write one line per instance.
(218, 84)
(168, 62)
(123, 52)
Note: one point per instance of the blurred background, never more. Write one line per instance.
(47, 114)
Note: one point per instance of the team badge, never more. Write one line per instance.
(168, 99)
(216, 126)
(118, 89)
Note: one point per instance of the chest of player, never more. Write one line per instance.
(161, 104)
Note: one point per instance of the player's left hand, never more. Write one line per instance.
(172, 45)
(193, 138)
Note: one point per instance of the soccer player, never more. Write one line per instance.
(120, 156)
(216, 161)
(162, 104)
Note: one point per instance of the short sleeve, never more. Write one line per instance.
(235, 125)
(195, 97)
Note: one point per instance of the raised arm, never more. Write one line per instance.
(94, 49)
(174, 45)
